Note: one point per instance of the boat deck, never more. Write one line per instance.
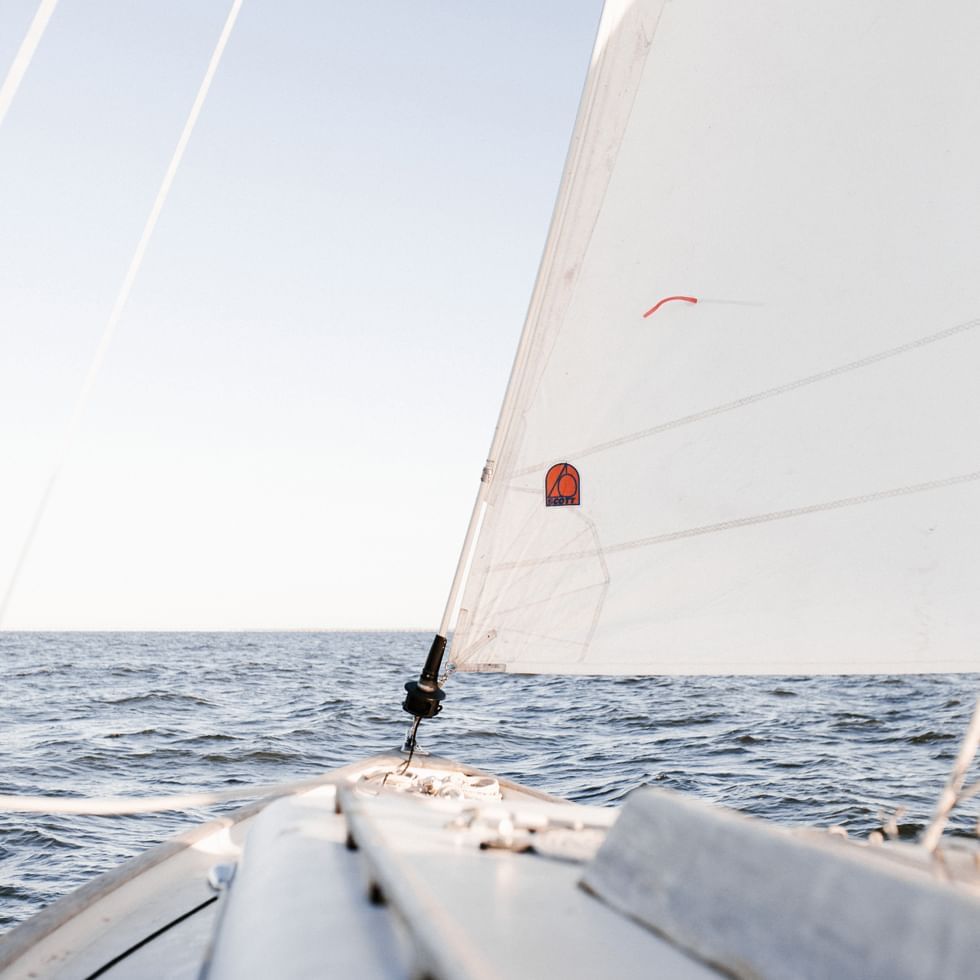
(446, 873)
(359, 878)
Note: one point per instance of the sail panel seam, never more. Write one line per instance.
(529, 349)
(739, 522)
(731, 406)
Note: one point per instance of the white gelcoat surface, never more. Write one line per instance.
(298, 906)
(761, 901)
(477, 913)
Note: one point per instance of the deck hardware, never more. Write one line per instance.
(220, 876)
(423, 698)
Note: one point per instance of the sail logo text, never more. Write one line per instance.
(562, 486)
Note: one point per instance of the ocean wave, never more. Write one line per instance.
(140, 714)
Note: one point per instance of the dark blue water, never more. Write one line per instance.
(150, 713)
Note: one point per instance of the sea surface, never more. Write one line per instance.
(106, 714)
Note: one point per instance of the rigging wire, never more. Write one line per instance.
(118, 805)
(954, 792)
(88, 384)
(412, 742)
(22, 60)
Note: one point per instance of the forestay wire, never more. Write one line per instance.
(115, 315)
(25, 53)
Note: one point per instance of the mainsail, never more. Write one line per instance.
(778, 469)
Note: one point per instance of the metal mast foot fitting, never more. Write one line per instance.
(423, 698)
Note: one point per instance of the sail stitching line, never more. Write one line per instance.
(597, 612)
(603, 586)
(566, 543)
(545, 355)
(762, 395)
(778, 515)
(552, 598)
(472, 628)
(538, 636)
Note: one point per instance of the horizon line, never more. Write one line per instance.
(220, 629)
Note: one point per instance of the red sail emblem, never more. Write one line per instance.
(562, 486)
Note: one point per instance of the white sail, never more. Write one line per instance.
(783, 476)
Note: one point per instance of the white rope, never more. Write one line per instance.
(968, 793)
(22, 60)
(446, 785)
(117, 805)
(952, 793)
(118, 307)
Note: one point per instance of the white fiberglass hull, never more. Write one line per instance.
(446, 872)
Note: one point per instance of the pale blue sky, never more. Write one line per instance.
(290, 425)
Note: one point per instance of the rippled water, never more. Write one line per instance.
(148, 713)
